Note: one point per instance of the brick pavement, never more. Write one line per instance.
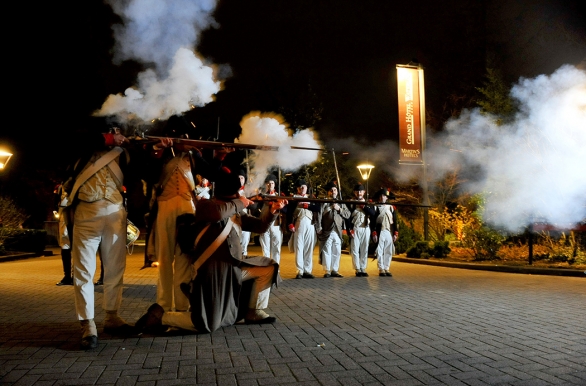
(426, 325)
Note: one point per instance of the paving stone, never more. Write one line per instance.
(428, 325)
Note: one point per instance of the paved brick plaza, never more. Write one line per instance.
(424, 326)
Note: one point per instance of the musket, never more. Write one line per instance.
(259, 198)
(216, 145)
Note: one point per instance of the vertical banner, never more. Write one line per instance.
(411, 99)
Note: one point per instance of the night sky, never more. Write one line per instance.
(284, 57)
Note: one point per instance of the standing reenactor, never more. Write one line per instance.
(300, 216)
(385, 231)
(329, 225)
(358, 226)
(271, 240)
(245, 238)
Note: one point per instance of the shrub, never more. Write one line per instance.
(417, 251)
(484, 242)
(441, 249)
(408, 236)
(26, 240)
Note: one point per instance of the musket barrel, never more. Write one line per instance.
(327, 200)
(215, 145)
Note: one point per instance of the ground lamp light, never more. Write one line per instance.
(4, 158)
(365, 170)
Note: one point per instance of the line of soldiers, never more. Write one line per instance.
(312, 223)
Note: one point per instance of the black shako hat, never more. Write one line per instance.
(358, 187)
(384, 192)
(227, 184)
(300, 183)
(242, 173)
(331, 185)
(270, 177)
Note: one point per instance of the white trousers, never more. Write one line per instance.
(259, 297)
(244, 241)
(271, 241)
(102, 225)
(359, 247)
(331, 249)
(303, 244)
(174, 266)
(384, 250)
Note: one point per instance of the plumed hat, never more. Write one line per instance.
(301, 182)
(358, 187)
(227, 183)
(384, 192)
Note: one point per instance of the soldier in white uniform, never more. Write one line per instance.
(329, 225)
(176, 197)
(300, 219)
(271, 240)
(358, 226)
(386, 231)
(245, 238)
(99, 222)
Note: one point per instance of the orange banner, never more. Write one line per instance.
(409, 115)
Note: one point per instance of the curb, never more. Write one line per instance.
(496, 267)
(448, 264)
(19, 256)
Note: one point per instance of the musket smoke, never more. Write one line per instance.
(271, 129)
(533, 167)
(162, 35)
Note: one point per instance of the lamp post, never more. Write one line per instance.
(365, 170)
(4, 158)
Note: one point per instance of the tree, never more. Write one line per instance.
(496, 98)
(11, 219)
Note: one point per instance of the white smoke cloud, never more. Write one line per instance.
(271, 130)
(533, 167)
(162, 35)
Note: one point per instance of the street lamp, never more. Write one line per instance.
(4, 158)
(365, 170)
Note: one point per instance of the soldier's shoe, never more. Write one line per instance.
(387, 273)
(336, 274)
(65, 281)
(307, 275)
(364, 274)
(152, 321)
(89, 334)
(299, 276)
(115, 325)
(259, 317)
(382, 274)
(327, 275)
(89, 342)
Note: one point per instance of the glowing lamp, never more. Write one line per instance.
(365, 170)
(4, 158)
